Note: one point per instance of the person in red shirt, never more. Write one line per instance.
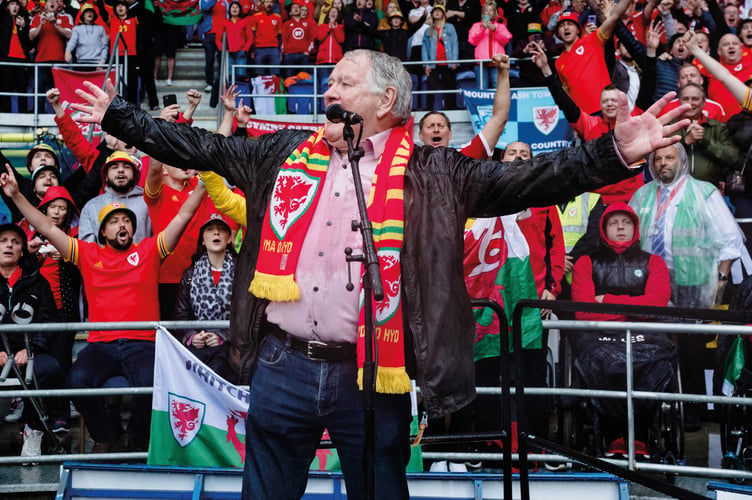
(267, 34)
(331, 36)
(690, 73)
(581, 66)
(121, 23)
(730, 55)
(50, 31)
(297, 41)
(589, 126)
(14, 47)
(165, 191)
(643, 279)
(120, 279)
(239, 39)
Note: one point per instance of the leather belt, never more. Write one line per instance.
(314, 349)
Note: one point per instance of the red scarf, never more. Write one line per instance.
(294, 199)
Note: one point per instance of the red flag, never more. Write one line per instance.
(67, 82)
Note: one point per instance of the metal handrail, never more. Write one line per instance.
(224, 70)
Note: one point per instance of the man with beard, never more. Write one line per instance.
(120, 280)
(686, 222)
(120, 178)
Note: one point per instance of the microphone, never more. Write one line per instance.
(335, 113)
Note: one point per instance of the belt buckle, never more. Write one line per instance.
(313, 344)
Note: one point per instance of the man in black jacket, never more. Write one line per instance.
(25, 297)
(311, 333)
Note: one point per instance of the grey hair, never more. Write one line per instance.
(387, 71)
(682, 169)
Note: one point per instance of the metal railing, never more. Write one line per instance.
(318, 70)
(628, 393)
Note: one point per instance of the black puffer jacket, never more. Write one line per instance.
(442, 189)
(29, 301)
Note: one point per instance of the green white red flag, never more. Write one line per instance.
(198, 418)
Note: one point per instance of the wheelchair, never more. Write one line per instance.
(581, 425)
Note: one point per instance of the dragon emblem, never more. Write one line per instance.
(545, 118)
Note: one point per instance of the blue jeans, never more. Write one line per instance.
(490, 77)
(238, 58)
(298, 59)
(293, 399)
(99, 362)
(267, 56)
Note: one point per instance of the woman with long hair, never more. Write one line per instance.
(205, 292)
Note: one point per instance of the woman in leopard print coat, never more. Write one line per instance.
(204, 294)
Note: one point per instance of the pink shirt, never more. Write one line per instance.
(326, 311)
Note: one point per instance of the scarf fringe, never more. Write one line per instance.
(277, 288)
(389, 380)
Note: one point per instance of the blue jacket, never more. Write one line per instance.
(430, 40)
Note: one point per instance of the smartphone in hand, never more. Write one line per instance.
(169, 99)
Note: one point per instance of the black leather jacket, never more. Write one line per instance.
(442, 189)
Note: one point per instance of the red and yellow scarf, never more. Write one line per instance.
(294, 198)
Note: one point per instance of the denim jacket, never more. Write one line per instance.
(430, 40)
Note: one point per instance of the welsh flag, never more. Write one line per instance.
(484, 254)
(518, 282)
(497, 266)
(198, 418)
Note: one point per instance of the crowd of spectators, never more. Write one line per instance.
(118, 199)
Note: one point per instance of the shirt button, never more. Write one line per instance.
(315, 289)
(328, 223)
(321, 254)
(336, 194)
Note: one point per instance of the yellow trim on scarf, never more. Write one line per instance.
(389, 380)
(275, 287)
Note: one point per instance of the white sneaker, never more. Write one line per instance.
(440, 466)
(73, 412)
(16, 410)
(32, 444)
(208, 88)
(168, 82)
(457, 467)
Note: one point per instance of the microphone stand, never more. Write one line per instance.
(372, 287)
